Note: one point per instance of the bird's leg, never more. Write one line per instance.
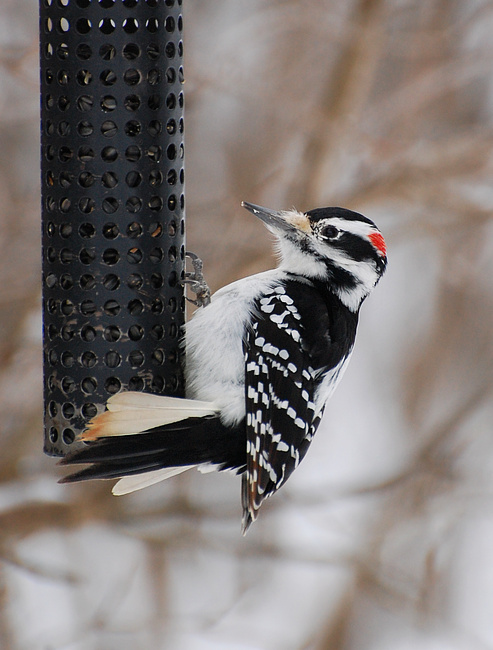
(197, 282)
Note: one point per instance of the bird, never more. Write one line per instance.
(263, 356)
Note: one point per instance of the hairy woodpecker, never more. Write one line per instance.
(262, 359)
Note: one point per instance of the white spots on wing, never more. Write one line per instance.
(278, 318)
(280, 404)
(268, 348)
(268, 306)
(291, 412)
(295, 335)
(252, 394)
(294, 411)
(295, 455)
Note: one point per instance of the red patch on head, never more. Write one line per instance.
(378, 241)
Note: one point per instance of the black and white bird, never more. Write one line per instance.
(262, 359)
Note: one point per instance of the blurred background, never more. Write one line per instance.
(383, 538)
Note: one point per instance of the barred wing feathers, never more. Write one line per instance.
(280, 386)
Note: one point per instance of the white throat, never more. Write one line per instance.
(294, 260)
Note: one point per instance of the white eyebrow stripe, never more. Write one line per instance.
(359, 228)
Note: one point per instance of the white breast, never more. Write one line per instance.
(215, 362)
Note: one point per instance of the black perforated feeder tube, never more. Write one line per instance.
(112, 205)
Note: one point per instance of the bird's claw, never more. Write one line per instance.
(197, 282)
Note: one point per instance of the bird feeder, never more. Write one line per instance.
(112, 183)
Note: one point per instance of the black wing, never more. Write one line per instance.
(280, 385)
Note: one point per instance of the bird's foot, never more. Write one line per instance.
(197, 283)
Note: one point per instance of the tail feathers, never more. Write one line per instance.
(131, 413)
(109, 469)
(168, 449)
(250, 510)
(135, 399)
(133, 483)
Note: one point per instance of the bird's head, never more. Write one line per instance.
(337, 246)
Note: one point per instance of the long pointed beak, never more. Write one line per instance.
(273, 219)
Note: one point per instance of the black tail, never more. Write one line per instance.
(194, 441)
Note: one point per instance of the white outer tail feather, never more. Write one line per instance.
(134, 399)
(131, 413)
(133, 483)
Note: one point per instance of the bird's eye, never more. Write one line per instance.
(329, 232)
